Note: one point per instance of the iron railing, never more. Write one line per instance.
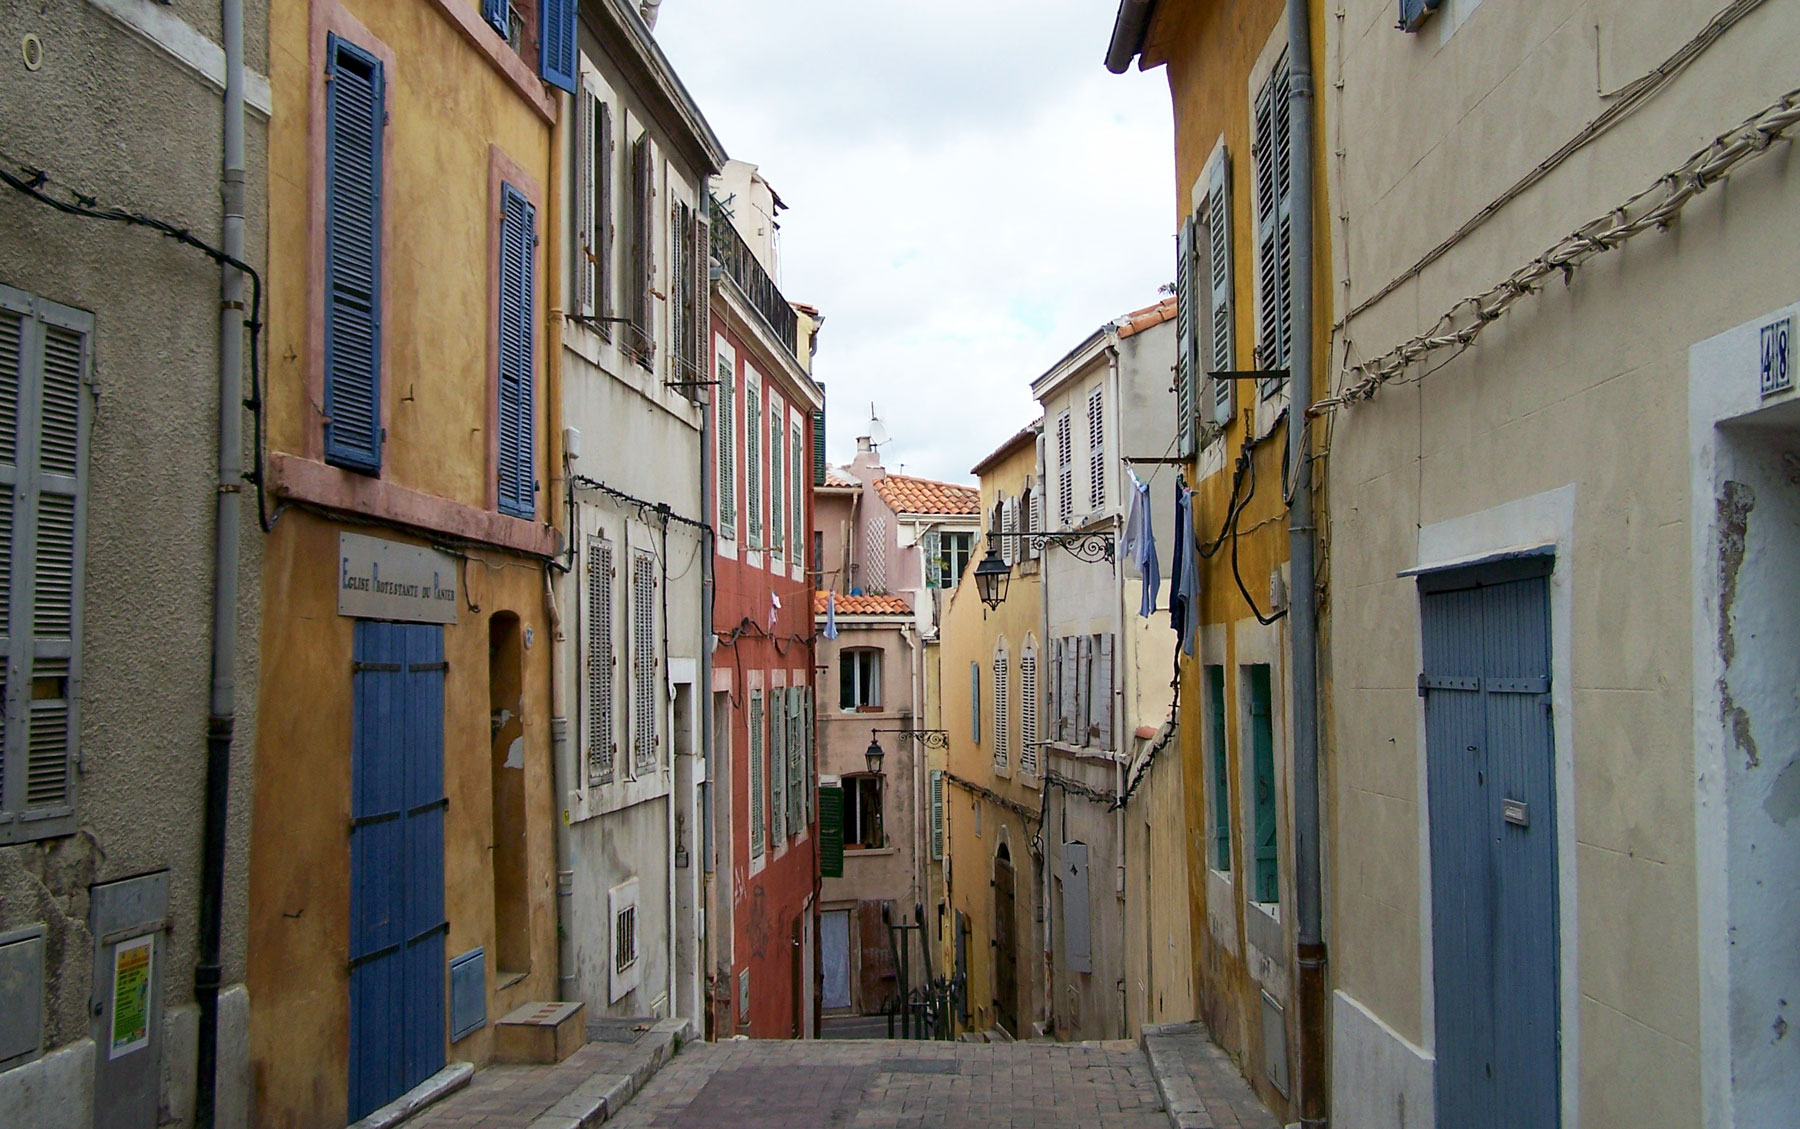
(739, 264)
(931, 1010)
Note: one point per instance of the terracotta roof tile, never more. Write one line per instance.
(908, 495)
(838, 476)
(863, 605)
(1137, 321)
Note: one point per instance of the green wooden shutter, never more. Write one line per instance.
(1219, 334)
(752, 467)
(1186, 376)
(355, 113)
(777, 762)
(518, 252)
(818, 446)
(1267, 887)
(777, 479)
(45, 416)
(831, 831)
(1221, 769)
(724, 419)
(811, 781)
(796, 761)
(756, 782)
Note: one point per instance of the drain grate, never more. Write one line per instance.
(919, 1066)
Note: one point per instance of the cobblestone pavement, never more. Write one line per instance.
(899, 1085)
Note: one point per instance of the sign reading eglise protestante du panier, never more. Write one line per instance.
(387, 580)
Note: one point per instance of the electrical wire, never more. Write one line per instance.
(31, 181)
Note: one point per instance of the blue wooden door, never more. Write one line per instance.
(396, 862)
(1490, 781)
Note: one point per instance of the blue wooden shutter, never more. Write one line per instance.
(556, 43)
(494, 12)
(518, 248)
(1414, 12)
(1262, 749)
(355, 110)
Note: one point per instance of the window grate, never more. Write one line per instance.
(643, 661)
(602, 725)
(625, 944)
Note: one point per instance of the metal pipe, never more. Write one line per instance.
(1302, 622)
(222, 706)
(1129, 27)
(1120, 730)
(718, 922)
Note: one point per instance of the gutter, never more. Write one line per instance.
(1129, 28)
(222, 703)
(1314, 1104)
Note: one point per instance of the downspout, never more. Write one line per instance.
(1121, 755)
(705, 718)
(1302, 609)
(222, 706)
(564, 769)
(1046, 954)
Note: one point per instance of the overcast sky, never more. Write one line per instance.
(971, 193)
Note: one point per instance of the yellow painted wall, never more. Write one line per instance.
(968, 634)
(1212, 52)
(448, 108)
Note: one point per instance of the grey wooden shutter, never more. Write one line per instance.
(1076, 931)
(1084, 681)
(1222, 314)
(975, 702)
(796, 776)
(646, 685)
(1103, 691)
(1274, 212)
(700, 316)
(1068, 657)
(643, 251)
(45, 416)
(752, 467)
(581, 281)
(934, 565)
(1186, 297)
(603, 218)
(811, 779)
(778, 726)
(754, 717)
(603, 733)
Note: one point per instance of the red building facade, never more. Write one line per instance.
(767, 413)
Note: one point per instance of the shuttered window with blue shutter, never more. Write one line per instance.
(518, 250)
(355, 112)
(494, 12)
(556, 43)
(46, 408)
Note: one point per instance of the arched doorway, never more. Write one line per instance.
(1006, 945)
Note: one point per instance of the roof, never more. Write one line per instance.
(905, 494)
(863, 605)
(1137, 321)
(839, 478)
(1026, 434)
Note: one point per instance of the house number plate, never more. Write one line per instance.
(1777, 368)
(1516, 812)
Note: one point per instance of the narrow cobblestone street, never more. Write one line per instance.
(881, 1084)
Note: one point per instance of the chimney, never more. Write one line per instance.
(863, 444)
(647, 9)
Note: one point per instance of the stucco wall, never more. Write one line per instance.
(111, 114)
(1581, 388)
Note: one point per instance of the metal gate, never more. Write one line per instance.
(1006, 946)
(396, 862)
(1490, 781)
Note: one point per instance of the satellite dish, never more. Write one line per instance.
(878, 432)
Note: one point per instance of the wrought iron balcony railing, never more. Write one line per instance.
(739, 264)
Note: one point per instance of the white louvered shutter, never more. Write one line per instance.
(1096, 413)
(1002, 726)
(1028, 710)
(1065, 471)
(645, 699)
(937, 813)
(45, 413)
(603, 733)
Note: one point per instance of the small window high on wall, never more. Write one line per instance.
(859, 679)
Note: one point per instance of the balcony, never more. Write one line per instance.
(739, 264)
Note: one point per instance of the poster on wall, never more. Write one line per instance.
(131, 996)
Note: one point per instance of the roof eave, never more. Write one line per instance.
(1130, 28)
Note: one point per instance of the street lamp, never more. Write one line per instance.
(873, 755)
(991, 578)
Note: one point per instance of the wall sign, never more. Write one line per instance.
(131, 997)
(1777, 357)
(380, 579)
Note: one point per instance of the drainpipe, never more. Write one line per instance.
(1121, 755)
(718, 922)
(565, 766)
(222, 706)
(1302, 609)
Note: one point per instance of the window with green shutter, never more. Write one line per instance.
(46, 408)
(755, 717)
(1221, 769)
(831, 831)
(1267, 873)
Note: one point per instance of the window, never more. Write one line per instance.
(777, 479)
(818, 560)
(948, 557)
(1274, 227)
(797, 512)
(752, 462)
(355, 113)
(798, 765)
(1219, 352)
(1267, 873)
(518, 250)
(592, 260)
(725, 423)
(862, 812)
(602, 736)
(859, 679)
(1221, 772)
(45, 413)
(778, 766)
(641, 341)
(645, 698)
(1065, 471)
(1029, 522)
(1002, 728)
(625, 952)
(688, 285)
(627, 972)
(1028, 708)
(754, 716)
(1096, 408)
